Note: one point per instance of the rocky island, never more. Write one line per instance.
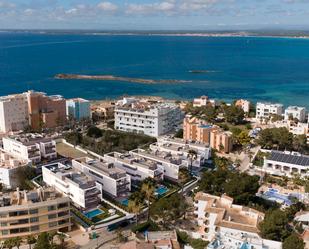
(116, 78)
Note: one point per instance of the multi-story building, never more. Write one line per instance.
(31, 147)
(203, 101)
(83, 191)
(243, 104)
(9, 166)
(30, 213)
(78, 109)
(295, 112)
(152, 119)
(115, 182)
(221, 221)
(221, 141)
(266, 110)
(13, 113)
(286, 164)
(197, 130)
(45, 111)
(171, 163)
(138, 168)
(183, 149)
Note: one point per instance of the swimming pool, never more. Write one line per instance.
(161, 190)
(273, 194)
(125, 202)
(93, 213)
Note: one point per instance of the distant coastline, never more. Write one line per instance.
(116, 78)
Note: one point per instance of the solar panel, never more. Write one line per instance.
(289, 158)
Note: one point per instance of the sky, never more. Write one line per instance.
(153, 14)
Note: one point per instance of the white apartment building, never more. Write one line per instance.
(147, 118)
(31, 147)
(297, 128)
(295, 112)
(115, 182)
(225, 223)
(181, 148)
(171, 163)
(286, 164)
(203, 101)
(138, 168)
(265, 110)
(8, 168)
(13, 112)
(83, 191)
(243, 104)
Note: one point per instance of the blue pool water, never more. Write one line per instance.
(273, 194)
(265, 69)
(125, 202)
(161, 190)
(93, 213)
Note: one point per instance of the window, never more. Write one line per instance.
(4, 224)
(52, 216)
(34, 228)
(53, 224)
(62, 205)
(34, 219)
(5, 232)
(33, 211)
(51, 208)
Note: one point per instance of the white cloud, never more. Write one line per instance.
(151, 8)
(107, 6)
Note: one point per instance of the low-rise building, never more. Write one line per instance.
(181, 148)
(225, 223)
(13, 113)
(295, 112)
(9, 166)
(203, 101)
(78, 109)
(31, 147)
(83, 191)
(152, 119)
(30, 213)
(286, 164)
(138, 168)
(265, 110)
(243, 104)
(115, 182)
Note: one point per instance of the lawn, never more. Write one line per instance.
(68, 151)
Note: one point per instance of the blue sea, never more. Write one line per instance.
(255, 68)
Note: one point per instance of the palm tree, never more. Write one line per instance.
(61, 237)
(16, 242)
(9, 243)
(51, 236)
(183, 178)
(135, 207)
(148, 188)
(192, 155)
(31, 240)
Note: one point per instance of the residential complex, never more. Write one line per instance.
(203, 101)
(181, 148)
(266, 110)
(45, 111)
(78, 109)
(286, 164)
(138, 168)
(152, 119)
(13, 113)
(295, 112)
(227, 224)
(197, 130)
(115, 182)
(29, 213)
(9, 166)
(83, 191)
(243, 104)
(31, 147)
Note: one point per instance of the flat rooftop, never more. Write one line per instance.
(8, 161)
(30, 139)
(289, 158)
(104, 168)
(67, 173)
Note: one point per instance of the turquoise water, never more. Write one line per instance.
(269, 69)
(93, 213)
(161, 190)
(125, 202)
